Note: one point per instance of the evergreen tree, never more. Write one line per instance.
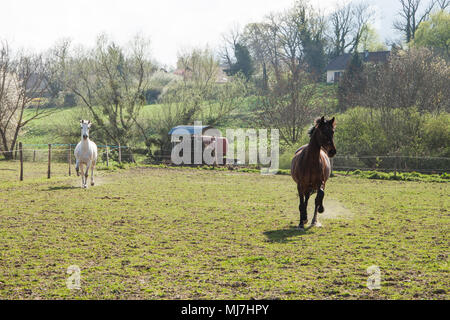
(243, 62)
(352, 83)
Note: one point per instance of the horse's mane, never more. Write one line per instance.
(313, 128)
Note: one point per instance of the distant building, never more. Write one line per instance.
(338, 65)
(221, 76)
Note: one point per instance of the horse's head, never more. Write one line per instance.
(324, 135)
(85, 125)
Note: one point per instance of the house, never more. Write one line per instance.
(338, 65)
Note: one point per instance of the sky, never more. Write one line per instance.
(171, 25)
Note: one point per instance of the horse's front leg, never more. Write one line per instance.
(83, 184)
(318, 207)
(92, 173)
(86, 174)
(302, 208)
(77, 167)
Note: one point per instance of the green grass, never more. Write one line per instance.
(165, 233)
(46, 130)
(399, 176)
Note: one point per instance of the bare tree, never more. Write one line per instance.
(230, 40)
(56, 60)
(111, 82)
(198, 96)
(442, 4)
(254, 36)
(411, 16)
(347, 24)
(22, 86)
(288, 105)
(412, 78)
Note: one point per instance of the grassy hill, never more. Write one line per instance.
(48, 129)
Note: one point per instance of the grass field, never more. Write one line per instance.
(153, 233)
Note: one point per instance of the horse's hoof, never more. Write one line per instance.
(321, 209)
(316, 224)
(78, 174)
(301, 227)
(92, 183)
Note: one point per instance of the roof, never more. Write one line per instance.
(341, 62)
(190, 129)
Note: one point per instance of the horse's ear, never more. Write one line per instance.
(333, 122)
(320, 121)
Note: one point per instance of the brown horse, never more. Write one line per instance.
(310, 167)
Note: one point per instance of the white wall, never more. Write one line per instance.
(330, 75)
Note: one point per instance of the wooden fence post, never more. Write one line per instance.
(120, 155)
(21, 161)
(34, 155)
(15, 154)
(131, 155)
(395, 166)
(107, 156)
(49, 160)
(70, 158)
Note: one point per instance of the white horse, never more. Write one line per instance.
(85, 154)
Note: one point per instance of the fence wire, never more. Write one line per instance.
(63, 153)
(51, 160)
(392, 163)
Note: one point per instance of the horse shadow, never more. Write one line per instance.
(285, 235)
(62, 188)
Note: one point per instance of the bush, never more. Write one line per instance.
(152, 95)
(70, 100)
(367, 132)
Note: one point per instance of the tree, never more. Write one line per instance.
(197, 98)
(289, 47)
(435, 33)
(411, 16)
(352, 84)
(348, 23)
(370, 40)
(398, 93)
(111, 81)
(22, 86)
(228, 49)
(243, 62)
(255, 36)
(288, 105)
(235, 54)
(412, 78)
(57, 57)
(314, 43)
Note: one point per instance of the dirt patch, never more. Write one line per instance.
(333, 209)
(99, 180)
